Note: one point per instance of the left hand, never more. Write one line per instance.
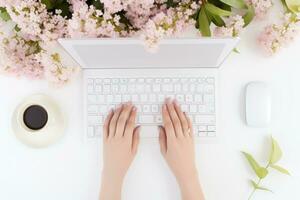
(121, 139)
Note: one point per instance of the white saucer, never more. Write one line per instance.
(49, 134)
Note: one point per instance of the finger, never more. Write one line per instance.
(106, 124)
(136, 139)
(175, 119)
(190, 130)
(182, 118)
(170, 132)
(113, 122)
(123, 119)
(162, 140)
(130, 124)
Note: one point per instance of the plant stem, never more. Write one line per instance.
(258, 182)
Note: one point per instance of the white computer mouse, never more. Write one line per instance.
(258, 104)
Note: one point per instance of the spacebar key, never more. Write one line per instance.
(205, 119)
(146, 119)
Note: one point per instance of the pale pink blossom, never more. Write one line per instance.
(56, 72)
(20, 57)
(35, 22)
(234, 26)
(276, 36)
(261, 7)
(169, 23)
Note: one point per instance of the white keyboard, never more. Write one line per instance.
(195, 94)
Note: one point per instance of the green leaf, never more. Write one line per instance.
(217, 11)
(203, 23)
(236, 50)
(4, 14)
(259, 187)
(293, 5)
(261, 172)
(49, 4)
(217, 20)
(17, 29)
(240, 4)
(248, 17)
(280, 169)
(276, 152)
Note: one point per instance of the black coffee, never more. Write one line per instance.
(35, 117)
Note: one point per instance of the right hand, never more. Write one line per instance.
(177, 142)
(177, 147)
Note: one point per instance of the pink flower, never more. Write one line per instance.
(56, 72)
(234, 26)
(166, 23)
(276, 36)
(261, 7)
(20, 57)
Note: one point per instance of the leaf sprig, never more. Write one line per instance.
(262, 172)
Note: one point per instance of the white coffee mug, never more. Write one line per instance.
(48, 134)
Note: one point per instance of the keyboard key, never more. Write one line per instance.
(193, 108)
(106, 80)
(92, 109)
(209, 99)
(152, 98)
(158, 119)
(109, 98)
(98, 131)
(189, 98)
(211, 134)
(202, 108)
(118, 98)
(100, 99)
(156, 88)
(115, 88)
(211, 128)
(185, 108)
(177, 88)
(123, 89)
(210, 80)
(209, 89)
(202, 128)
(135, 98)
(146, 109)
(198, 99)
(92, 99)
(205, 119)
(90, 89)
(103, 109)
(90, 81)
(146, 119)
(200, 88)
(106, 89)
(154, 108)
(95, 120)
(115, 81)
(167, 88)
(180, 98)
(202, 134)
(144, 98)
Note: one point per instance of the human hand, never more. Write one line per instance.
(177, 147)
(120, 144)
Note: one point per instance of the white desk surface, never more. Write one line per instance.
(70, 169)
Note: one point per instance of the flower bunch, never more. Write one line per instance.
(37, 24)
(276, 36)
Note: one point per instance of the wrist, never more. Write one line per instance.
(112, 178)
(187, 176)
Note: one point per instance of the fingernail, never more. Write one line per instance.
(111, 111)
(175, 102)
(164, 107)
(134, 108)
